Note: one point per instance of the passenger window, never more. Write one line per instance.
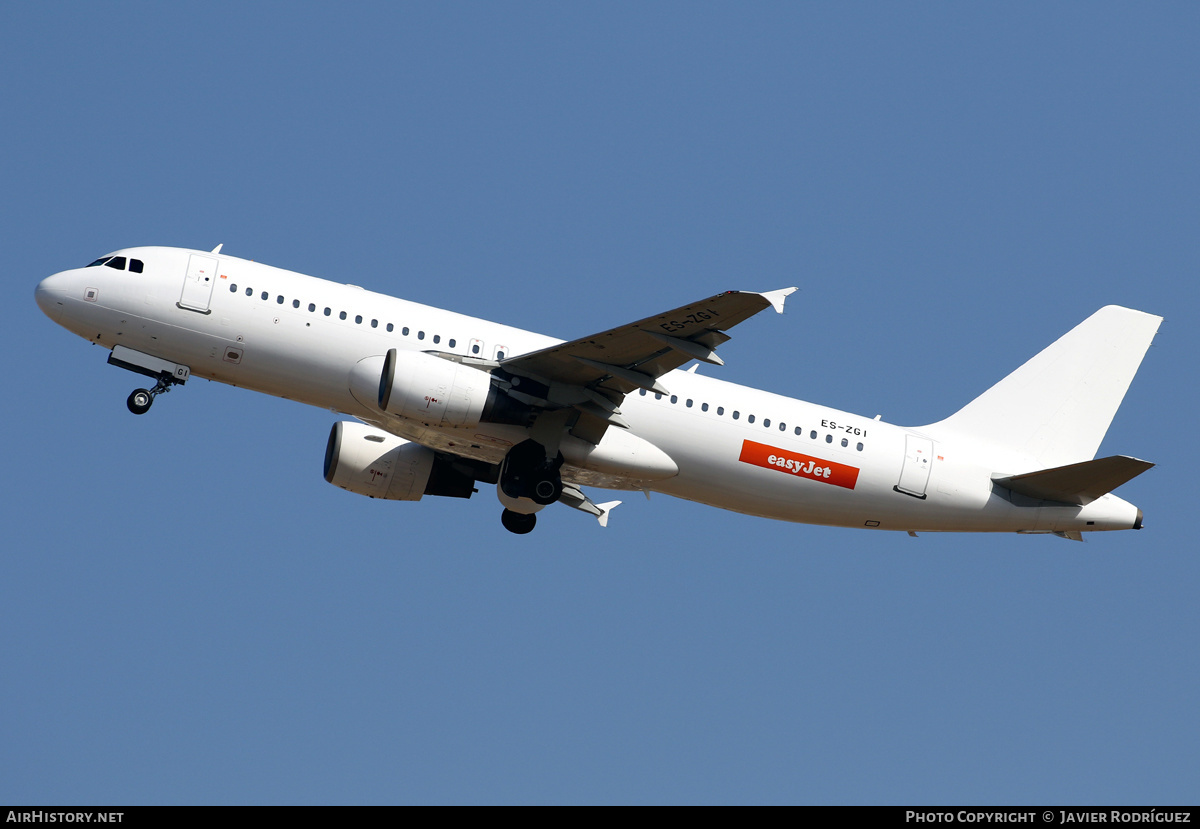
(374, 323)
(135, 265)
(813, 434)
(720, 410)
(311, 307)
(358, 319)
(420, 335)
(642, 392)
(295, 303)
(783, 427)
(766, 422)
(390, 327)
(704, 407)
(117, 262)
(736, 415)
(674, 398)
(499, 355)
(437, 338)
(328, 311)
(750, 419)
(452, 343)
(829, 438)
(845, 442)
(689, 402)
(279, 299)
(404, 331)
(342, 315)
(475, 350)
(860, 447)
(265, 296)
(249, 292)
(799, 430)
(233, 289)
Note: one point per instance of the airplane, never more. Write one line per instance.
(442, 402)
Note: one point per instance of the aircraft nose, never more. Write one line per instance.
(50, 295)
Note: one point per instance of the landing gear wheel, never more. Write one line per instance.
(139, 401)
(528, 473)
(547, 490)
(516, 522)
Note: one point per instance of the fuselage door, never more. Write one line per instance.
(198, 284)
(918, 458)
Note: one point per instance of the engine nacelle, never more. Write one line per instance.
(440, 392)
(369, 462)
(431, 390)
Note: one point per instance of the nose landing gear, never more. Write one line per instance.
(164, 373)
(140, 400)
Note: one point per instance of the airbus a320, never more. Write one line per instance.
(443, 403)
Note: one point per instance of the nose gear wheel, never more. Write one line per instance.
(140, 400)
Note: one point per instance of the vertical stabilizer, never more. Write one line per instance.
(1057, 407)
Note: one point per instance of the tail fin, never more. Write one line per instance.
(1057, 407)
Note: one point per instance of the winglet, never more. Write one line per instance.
(776, 298)
(217, 249)
(605, 509)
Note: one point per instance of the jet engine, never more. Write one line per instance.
(442, 392)
(370, 462)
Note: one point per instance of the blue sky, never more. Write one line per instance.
(190, 614)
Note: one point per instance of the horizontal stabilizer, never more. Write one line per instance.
(1078, 483)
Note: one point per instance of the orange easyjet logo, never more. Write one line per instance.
(793, 463)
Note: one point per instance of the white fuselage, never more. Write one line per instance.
(738, 448)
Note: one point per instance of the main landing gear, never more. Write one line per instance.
(528, 473)
(140, 400)
(529, 480)
(516, 522)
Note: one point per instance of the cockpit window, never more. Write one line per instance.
(118, 262)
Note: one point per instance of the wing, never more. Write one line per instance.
(593, 374)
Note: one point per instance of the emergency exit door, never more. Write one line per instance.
(918, 458)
